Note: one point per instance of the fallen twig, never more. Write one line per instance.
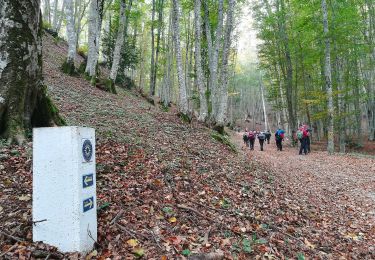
(10, 249)
(155, 238)
(205, 240)
(131, 233)
(119, 214)
(181, 206)
(12, 237)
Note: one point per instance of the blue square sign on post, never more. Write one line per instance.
(88, 204)
(87, 180)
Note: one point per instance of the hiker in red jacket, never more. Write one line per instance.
(251, 138)
(302, 135)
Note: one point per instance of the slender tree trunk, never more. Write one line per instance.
(47, 11)
(215, 96)
(23, 99)
(94, 27)
(60, 18)
(328, 80)
(263, 103)
(68, 67)
(183, 102)
(55, 16)
(118, 45)
(224, 75)
(152, 67)
(289, 69)
(160, 25)
(203, 109)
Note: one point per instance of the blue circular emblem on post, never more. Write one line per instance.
(87, 150)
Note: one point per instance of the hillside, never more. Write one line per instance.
(170, 186)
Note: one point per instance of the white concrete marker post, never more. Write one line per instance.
(64, 188)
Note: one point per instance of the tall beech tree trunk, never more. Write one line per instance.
(55, 15)
(183, 102)
(118, 45)
(94, 26)
(68, 66)
(160, 25)
(223, 86)
(214, 66)
(328, 79)
(203, 109)
(60, 18)
(23, 99)
(152, 66)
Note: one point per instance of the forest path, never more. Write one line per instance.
(338, 190)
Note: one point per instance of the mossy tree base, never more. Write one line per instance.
(111, 86)
(225, 140)
(185, 117)
(69, 68)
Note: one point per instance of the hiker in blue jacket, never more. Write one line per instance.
(279, 136)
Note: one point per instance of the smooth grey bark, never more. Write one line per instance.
(203, 109)
(60, 18)
(160, 25)
(152, 66)
(167, 79)
(119, 42)
(183, 102)
(289, 68)
(71, 35)
(224, 75)
(263, 102)
(47, 11)
(23, 99)
(214, 66)
(328, 79)
(94, 31)
(79, 14)
(55, 13)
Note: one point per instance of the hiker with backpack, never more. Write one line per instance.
(245, 137)
(251, 138)
(261, 138)
(302, 135)
(279, 137)
(268, 136)
(308, 142)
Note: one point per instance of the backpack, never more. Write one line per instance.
(251, 136)
(245, 137)
(261, 136)
(299, 134)
(282, 135)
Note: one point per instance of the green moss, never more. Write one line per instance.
(186, 118)
(46, 113)
(111, 86)
(224, 139)
(68, 68)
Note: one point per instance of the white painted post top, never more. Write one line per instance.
(64, 187)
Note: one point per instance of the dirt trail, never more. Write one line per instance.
(339, 188)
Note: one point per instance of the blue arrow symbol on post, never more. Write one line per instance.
(87, 180)
(88, 204)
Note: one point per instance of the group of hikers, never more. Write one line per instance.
(302, 135)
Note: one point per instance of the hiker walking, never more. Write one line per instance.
(261, 138)
(251, 138)
(245, 137)
(308, 142)
(279, 136)
(302, 135)
(268, 136)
